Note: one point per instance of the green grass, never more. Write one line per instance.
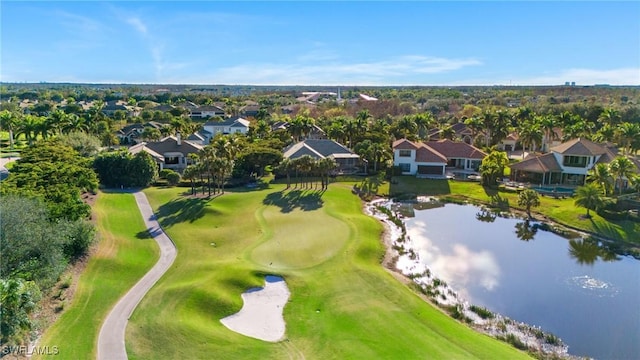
(121, 259)
(562, 211)
(343, 304)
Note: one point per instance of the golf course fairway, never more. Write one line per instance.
(343, 303)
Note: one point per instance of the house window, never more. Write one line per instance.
(405, 167)
(404, 153)
(171, 160)
(575, 161)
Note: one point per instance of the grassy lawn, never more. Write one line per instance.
(562, 211)
(119, 262)
(343, 303)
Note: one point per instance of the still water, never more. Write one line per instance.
(582, 294)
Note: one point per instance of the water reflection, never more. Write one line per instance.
(588, 251)
(486, 215)
(525, 231)
(460, 265)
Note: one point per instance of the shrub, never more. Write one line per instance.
(173, 178)
(482, 312)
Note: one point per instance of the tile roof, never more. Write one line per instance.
(404, 144)
(580, 147)
(538, 164)
(456, 149)
(427, 154)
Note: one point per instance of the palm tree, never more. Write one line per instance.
(589, 197)
(620, 168)
(423, 121)
(262, 129)
(601, 175)
(626, 133)
(407, 127)
(530, 134)
(336, 131)
(548, 125)
(325, 167)
(8, 122)
(447, 132)
(610, 116)
(29, 127)
(475, 125)
(191, 173)
(528, 198)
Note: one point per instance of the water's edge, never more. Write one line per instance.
(406, 261)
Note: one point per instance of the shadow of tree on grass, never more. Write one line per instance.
(183, 209)
(287, 201)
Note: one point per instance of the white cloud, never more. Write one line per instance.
(137, 24)
(327, 70)
(620, 76)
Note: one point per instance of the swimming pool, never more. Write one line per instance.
(554, 189)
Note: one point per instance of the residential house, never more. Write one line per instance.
(233, 125)
(131, 133)
(436, 158)
(250, 110)
(347, 160)
(461, 133)
(206, 111)
(565, 164)
(169, 153)
(314, 133)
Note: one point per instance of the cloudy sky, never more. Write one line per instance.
(322, 42)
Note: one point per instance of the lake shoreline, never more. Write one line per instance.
(403, 261)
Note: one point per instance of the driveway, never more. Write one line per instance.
(111, 344)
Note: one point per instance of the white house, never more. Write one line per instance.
(566, 164)
(169, 153)
(435, 158)
(228, 126)
(206, 111)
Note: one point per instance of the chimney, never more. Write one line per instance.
(179, 138)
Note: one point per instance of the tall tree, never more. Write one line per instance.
(589, 197)
(528, 198)
(620, 168)
(601, 176)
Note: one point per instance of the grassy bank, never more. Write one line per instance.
(120, 260)
(562, 211)
(343, 303)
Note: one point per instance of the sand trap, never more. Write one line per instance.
(261, 315)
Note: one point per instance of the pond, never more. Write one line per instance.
(574, 289)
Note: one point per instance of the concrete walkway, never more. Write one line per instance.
(111, 339)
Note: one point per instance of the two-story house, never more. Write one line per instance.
(565, 164)
(436, 158)
(228, 126)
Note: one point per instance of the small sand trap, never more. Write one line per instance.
(261, 315)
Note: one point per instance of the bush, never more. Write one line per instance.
(164, 173)
(482, 312)
(80, 238)
(173, 178)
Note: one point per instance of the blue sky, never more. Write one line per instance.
(321, 43)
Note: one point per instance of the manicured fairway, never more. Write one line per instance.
(343, 303)
(120, 261)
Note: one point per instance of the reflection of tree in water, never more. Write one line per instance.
(588, 251)
(525, 231)
(486, 215)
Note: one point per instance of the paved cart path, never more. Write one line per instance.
(111, 339)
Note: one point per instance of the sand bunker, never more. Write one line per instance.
(261, 315)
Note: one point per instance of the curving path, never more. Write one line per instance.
(111, 338)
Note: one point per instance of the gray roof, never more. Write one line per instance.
(318, 149)
(170, 144)
(229, 122)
